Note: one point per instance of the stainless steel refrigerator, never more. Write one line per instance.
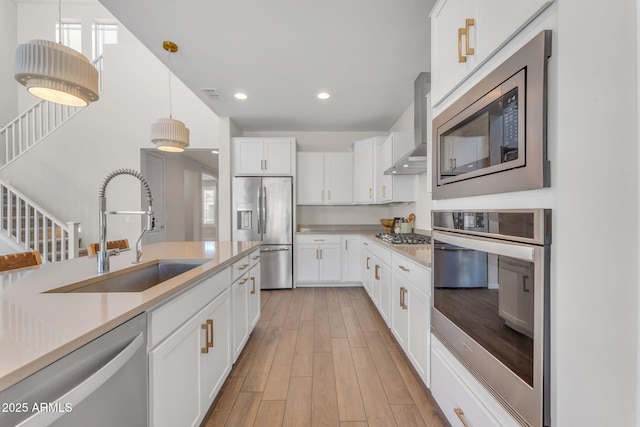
(263, 210)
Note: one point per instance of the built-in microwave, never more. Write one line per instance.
(493, 138)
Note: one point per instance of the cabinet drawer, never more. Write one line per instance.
(239, 267)
(171, 315)
(254, 258)
(381, 252)
(417, 274)
(318, 238)
(454, 397)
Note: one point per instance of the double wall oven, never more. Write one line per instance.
(491, 302)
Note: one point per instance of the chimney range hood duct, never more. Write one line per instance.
(415, 161)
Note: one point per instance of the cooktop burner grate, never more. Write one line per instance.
(405, 238)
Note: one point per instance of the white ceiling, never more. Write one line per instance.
(282, 53)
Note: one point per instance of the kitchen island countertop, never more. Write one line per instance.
(37, 328)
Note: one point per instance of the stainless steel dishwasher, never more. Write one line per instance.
(103, 383)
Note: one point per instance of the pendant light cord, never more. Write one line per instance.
(60, 21)
(170, 100)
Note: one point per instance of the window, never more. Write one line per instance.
(71, 34)
(103, 33)
(209, 200)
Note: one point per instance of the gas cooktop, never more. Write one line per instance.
(405, 238)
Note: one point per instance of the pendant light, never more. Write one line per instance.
(55, 72)
(169, 134)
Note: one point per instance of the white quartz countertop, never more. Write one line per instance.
(38, 328)
(419, 253)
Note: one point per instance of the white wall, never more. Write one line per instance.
(108, 135)
(596, 321)
(183, 199)
(8, 85)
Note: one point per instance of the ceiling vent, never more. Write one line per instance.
(212, 93)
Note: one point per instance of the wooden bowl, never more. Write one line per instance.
(386, 222)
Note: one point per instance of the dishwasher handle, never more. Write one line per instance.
(83, 390)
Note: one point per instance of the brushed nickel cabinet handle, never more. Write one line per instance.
(205, 349)
(403, 268)
(368, 267)
(243, 266)
(244, 281)
(401, 297)
(253, 285)
(346, 245)
(404, 298)
(460, 415)
(377, 274)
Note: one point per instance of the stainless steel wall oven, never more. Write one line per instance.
(491, 302)
(493, 138)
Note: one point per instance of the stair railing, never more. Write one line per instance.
(35, 124)
(31, 226)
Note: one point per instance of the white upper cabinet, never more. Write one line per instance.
(393, 188)
(466, 33)
(324, 178)
(263, 156)
(365, 169)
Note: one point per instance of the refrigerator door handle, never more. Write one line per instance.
(259, 212)
(263, 249)
(265, 209)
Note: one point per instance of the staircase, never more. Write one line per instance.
(26, 226)
(35, 124)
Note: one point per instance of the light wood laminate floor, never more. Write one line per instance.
(322, 357)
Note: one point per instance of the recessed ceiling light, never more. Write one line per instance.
(324, 95)
(240, 95)
(405, 166)
(214, 151)
(394, 171)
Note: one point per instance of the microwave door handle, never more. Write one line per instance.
(80, 392)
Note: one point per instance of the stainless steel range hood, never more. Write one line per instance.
(415, 161)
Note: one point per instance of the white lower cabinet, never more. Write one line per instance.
(366, 267)
(193, 339)
(240, 304)
(399, 310)
(411, 312)
(174, 378)
(401, 290)
(418, 307)
(254, 296)
(455, 394)
(381, 288)
(215, 347)
(188, 368)
(351, 258)
(318, 258)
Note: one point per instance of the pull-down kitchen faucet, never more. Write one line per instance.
(103, 253)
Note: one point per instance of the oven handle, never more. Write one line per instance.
(512, 249)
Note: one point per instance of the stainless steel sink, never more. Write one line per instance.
(134, 279)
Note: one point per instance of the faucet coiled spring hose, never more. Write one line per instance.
(131, 172)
